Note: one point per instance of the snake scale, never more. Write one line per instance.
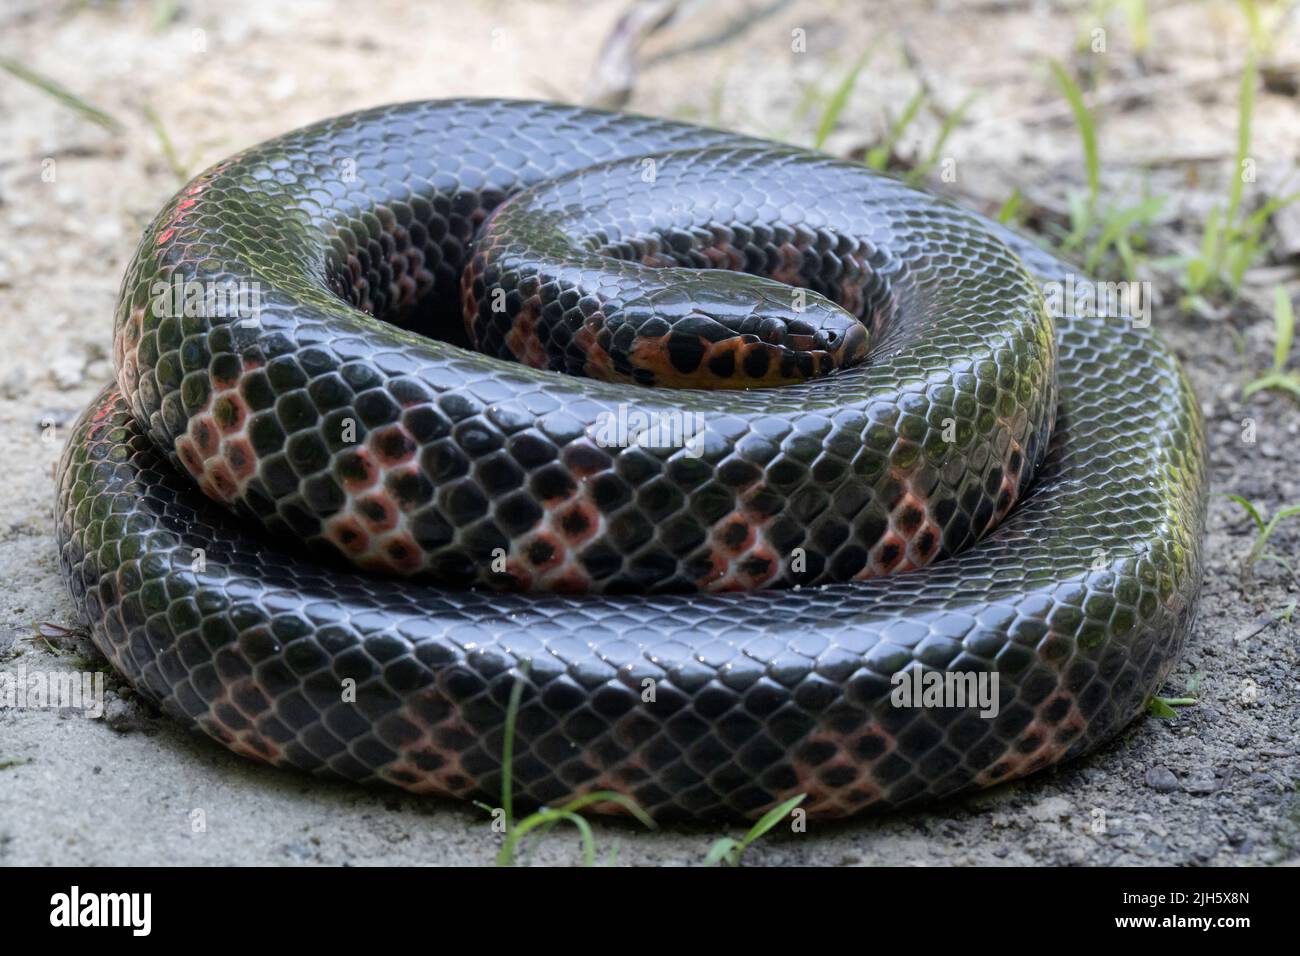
(711, 444)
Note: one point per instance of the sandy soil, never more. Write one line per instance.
(1214, 785)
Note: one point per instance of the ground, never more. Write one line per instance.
(189, 83)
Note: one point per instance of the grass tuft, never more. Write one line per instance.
(178, 168)
(1231, 242)
(730, 851)
(839, 99)
(547, 817)
(1095, 231)
(1264, 529)
(1284, 329)
(1087, 127)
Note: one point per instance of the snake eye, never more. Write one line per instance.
(826, 339)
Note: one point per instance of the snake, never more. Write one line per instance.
(474, 444)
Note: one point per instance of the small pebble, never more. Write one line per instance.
(1053, 808)
(1162, 779)
(124, 716)
(14, 383)
(67, 370)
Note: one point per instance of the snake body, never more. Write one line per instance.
(890, 464)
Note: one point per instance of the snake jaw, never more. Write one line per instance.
(846, 349)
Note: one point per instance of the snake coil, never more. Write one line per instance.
(790, 380)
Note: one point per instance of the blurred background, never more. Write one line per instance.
(1155, 140)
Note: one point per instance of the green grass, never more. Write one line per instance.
(547, 817)
(1011, 212)
(1101, 232)
(1231, 241)
(61, 93)
(165, 13)
(730, 851)
(1263, 35)
(919, 172)
(880, 156)
(1136, 22)
(50, 646)
(179, 169)
(724, 850)
(1163, 707)
(1264, 529)
(1087, 127)
(1279, 377)
(1139, 24)
(838, 100)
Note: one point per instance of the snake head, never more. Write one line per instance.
(728, 330)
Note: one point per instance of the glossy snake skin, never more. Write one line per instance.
(906, 466)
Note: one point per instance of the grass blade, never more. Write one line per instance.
(878, 156)
(508, 751)
(721, 850)
(546, 819)
(609, 796)
(1245, 114)
(1284, 323)
(771, 819)
(1164, 706)
(1009, 214)
(729, 851)
(1283, 381)
(1087, 128)
(1116, 229)
(1250, 510)
(949, 124)
(588, 840)
(60, 93)
(165, 141)
(839, 99)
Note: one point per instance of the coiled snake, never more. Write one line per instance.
(820, 441)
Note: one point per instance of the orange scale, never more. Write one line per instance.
(241, 457)
(377, 511)
(229, 412)
(358, 460)
(346, 532)
(219, 481)
(571, 581)
(733, 535)
(392, 434)
(204, 432)
(189, 456)
(578, 522)
(403, 553)
(543, 552)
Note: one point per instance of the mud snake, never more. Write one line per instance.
(880, 458)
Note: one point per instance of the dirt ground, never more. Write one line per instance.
(1215, 784)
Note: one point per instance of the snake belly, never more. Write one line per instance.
(1042, 483)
